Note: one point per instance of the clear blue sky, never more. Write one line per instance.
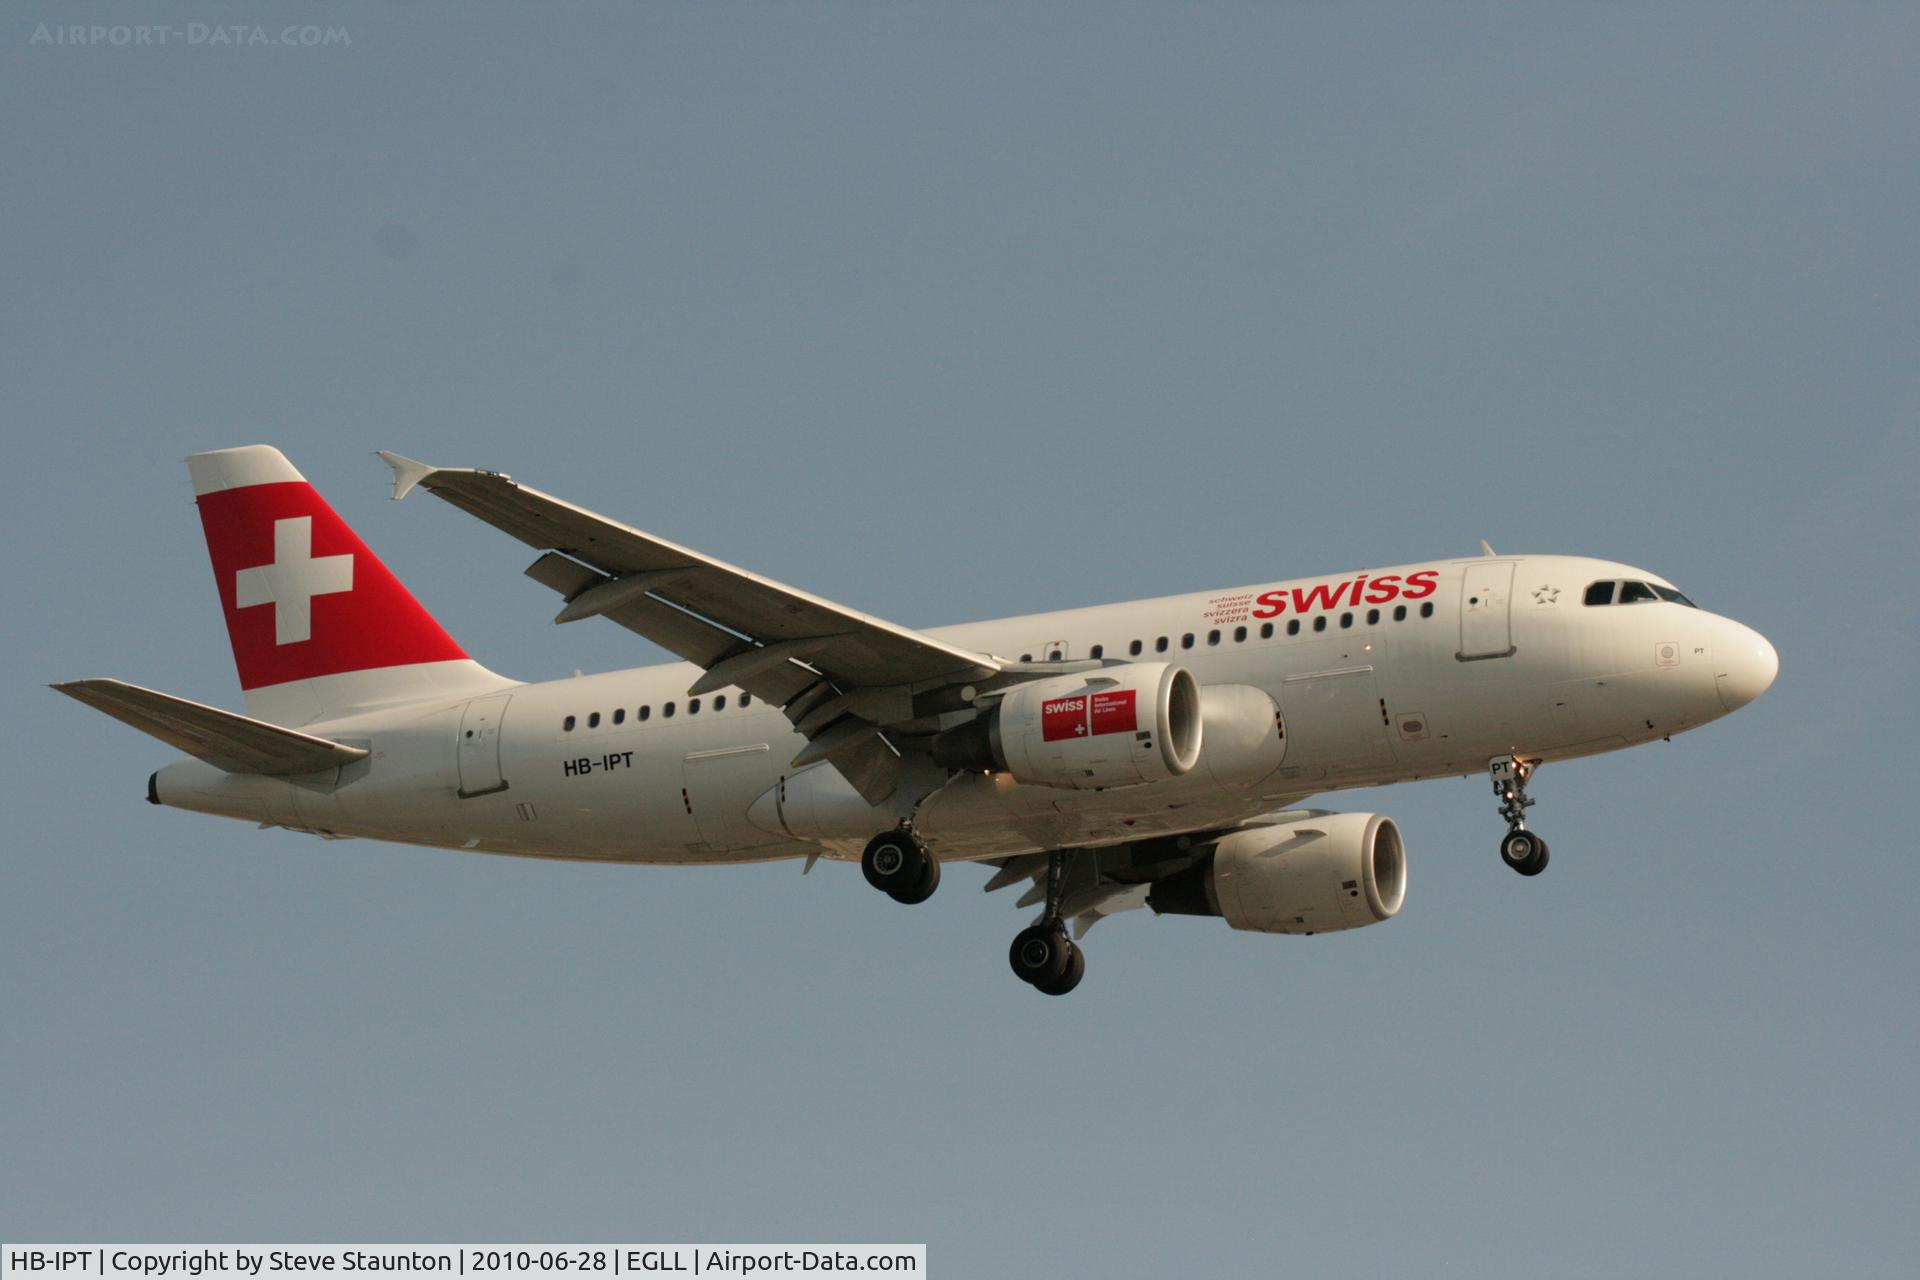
(951, 314)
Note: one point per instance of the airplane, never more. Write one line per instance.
(1156, 753)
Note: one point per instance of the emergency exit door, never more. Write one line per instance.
(479, 752)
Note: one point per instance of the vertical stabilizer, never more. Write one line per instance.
(319, 625)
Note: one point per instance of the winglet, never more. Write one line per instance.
(406, 472)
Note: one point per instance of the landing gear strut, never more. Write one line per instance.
(899, 865)
(1520, 848)
(1042, 955)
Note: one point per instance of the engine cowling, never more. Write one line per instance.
(1116, 727)
(1313, 872)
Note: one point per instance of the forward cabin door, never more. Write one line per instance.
(1486, 611)
(479, 753)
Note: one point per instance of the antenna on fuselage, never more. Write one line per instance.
(1486, 548)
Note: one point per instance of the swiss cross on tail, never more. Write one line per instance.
(302, 594)
(294, 578)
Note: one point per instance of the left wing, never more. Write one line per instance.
(841, 676)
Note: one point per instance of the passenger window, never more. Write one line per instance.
(745, 700)
(693, 706)
(1373, 617)
(1426, 610)
(619, 715)
(1346, 620)
(1266, 631)
(1134, 648)
(645, 712)
(1293, 626)
(720, 703)
(1635, 593)
(1399, 613)
(1026, 657)
(1213, 637)
(1186, 641)
(1239, 634)
(1098, 651)
(1160, 645)
(566, 726)
(667, 710)
(1600, 593)
(593, 720)
(1320, 623)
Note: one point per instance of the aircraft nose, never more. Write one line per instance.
(1746, 664)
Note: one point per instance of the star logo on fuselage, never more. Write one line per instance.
(1546, 595)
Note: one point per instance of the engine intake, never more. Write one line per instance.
(1138, 722)
(1313, 872)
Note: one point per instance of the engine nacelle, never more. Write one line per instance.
(1314, 872)
(1116, 727)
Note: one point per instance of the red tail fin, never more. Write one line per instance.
(304, 598)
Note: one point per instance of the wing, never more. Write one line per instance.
(841, 676)
(1107, 880)
(235, 743)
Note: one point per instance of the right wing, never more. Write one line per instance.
(841, 676)
(234, 743)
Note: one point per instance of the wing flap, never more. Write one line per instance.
(234, 743)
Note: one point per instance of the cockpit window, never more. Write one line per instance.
(1635, 593)
(1674, 597)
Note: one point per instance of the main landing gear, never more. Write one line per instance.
(1520, 848)
(899, 865)
(1042, 955)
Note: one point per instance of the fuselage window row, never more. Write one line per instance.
(645, 712)
(1162, 643)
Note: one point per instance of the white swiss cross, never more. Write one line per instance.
(294, 578)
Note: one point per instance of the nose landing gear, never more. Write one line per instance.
(1520, 848)
(1042, 955)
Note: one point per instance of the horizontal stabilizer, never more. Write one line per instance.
(223, 739)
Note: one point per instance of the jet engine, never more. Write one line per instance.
(1310, 872)
(1133, 723)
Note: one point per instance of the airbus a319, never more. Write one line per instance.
(1150, 754)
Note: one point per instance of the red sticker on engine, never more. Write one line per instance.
(1063, 718)
(1113, 712)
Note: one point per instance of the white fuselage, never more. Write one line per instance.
(1374, 688)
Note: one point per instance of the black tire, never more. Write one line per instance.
(920, 892)
(1524, 851)
(1517, 849)
(893, 863)
(1076, 970)
(1040, 953)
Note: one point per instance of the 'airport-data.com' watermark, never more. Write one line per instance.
(188, 35)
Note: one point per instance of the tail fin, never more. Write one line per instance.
(319, 626)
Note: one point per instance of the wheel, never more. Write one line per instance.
(923, 889)
(1076, 970)
(1040, 953)
(1525, 852)
(895, 864)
